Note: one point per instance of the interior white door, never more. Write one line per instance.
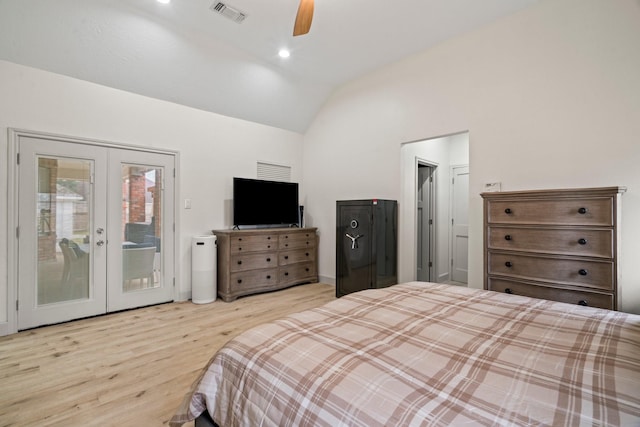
(460, 223)
(61, 224)
(141, 237)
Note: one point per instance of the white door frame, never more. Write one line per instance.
(12, 208)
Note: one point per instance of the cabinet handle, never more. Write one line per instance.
(583, 272)
(582, 241)
(507, 211)
(507, 237)
(582, 211)
(508, 291)
(583, 302)
(508, 264)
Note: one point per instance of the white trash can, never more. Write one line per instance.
(203, 269)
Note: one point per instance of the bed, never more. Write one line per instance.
(427, 354)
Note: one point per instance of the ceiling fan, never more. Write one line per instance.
(303, 18)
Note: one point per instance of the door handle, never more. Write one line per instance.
(100, 230)
(100, 242)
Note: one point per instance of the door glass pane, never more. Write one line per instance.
(141, 225)
(63, 221)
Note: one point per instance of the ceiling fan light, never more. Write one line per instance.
(284, 53)
(164, 1)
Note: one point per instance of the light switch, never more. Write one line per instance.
(492, 186)
(187, 203)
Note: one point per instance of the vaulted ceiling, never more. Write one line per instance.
(186, 53)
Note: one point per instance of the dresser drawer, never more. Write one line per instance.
(249, 243)
(253, 261)
(565, 241)
(254, 279)
(597, 211)
(570, 296)
(297, 272)
(296, 255)
(297, 240)
(582, 272)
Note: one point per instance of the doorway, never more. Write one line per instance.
(95, 228)
(441, 153)
(425, 199)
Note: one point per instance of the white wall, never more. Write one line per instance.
(550, 97)
(212, 148)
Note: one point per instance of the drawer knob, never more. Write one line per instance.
(286, 257)
(508, 291)
(268, 277)
(507, 211)
(582, 211)
(286, 273)
(583, 302)
(508, 264)
(306, 254)
(268, 259)
(307, 269)
(583, 272)
(239, 280)
(239, 262)
(507, 237)
(582, 241)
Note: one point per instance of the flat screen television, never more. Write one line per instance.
(259, 202)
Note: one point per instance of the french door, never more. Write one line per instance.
(95, 229)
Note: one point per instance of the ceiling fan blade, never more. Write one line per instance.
(303, 18)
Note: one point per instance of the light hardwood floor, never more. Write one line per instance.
(131, 368)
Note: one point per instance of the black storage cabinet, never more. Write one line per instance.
(366, 245)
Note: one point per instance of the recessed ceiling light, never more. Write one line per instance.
(284, 53)
(164, 1)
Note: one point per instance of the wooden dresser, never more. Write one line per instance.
(560, 245)
(259, 260)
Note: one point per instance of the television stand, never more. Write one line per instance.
(261, 260)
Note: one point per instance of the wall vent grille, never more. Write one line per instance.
(228, 12)
(273, 172)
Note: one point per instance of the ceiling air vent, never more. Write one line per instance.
(228, 12)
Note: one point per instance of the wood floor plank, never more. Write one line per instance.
(131, 368)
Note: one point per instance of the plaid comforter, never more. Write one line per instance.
(428, 354)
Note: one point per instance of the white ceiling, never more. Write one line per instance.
(185, 53)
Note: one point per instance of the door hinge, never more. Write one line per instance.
(451, 262)
(453, 180)
(18, 158)
(430, 264)
(430, 222)
(17, 232)
(174, 282)
(17, 305)
(451, 221)
(174, 172)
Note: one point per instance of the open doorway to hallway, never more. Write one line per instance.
(434, 209)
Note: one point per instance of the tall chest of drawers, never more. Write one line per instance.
(560, 245)
(259, 260)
